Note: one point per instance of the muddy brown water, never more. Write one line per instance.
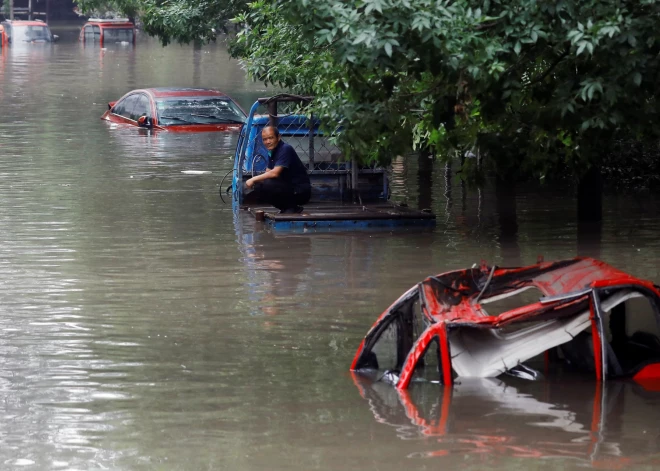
(144, 326)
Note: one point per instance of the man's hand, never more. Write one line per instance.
(250, 183)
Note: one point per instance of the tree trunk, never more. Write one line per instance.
(425, 179)
(507, 215)
(590, 213)
(590, 196)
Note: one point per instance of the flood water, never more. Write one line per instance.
(143, 326)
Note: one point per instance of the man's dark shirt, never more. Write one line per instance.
(294, 171)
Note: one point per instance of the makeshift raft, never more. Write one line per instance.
(321, 216)
(337, 184)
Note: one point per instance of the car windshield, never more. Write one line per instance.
(118, 35)
(30, 33)
(198, 110)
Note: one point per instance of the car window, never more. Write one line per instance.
(141, 107)
(30, 33)
(125, 106)
(198, 110)
(117, 35)
(632, 328)
(92, 33)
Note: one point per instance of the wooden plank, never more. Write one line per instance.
(348, 212)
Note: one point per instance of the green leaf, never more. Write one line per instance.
(361, 38)
(388, 49)
(637, 78)
(517, 48)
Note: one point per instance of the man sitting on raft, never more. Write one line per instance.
(285, 184)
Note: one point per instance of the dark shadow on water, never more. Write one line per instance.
(507, 215)
(589, 238)
(425, 180)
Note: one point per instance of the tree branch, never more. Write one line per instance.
(552, 66)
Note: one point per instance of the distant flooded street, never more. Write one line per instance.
(145, 326)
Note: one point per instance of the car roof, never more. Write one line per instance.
(26, 22)
(553, 278)
(172, 92)
(115, 23)
(563, 283)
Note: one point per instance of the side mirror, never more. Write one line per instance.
(145, 122)
(55, 38)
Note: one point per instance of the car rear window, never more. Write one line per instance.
(198, 110)
(29, 33)
(117, 35)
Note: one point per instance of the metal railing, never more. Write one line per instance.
(298, 128)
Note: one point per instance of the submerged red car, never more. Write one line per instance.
(25, 32)
(483, 322)
(177, 109)
(107, 31)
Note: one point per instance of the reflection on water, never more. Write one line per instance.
(144, 326)
(584, 423)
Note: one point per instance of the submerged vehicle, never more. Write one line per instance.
(337, 183)
(177, 110)
(25, 32)
(107, 31)
(487, 321)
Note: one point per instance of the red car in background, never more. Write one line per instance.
(102, 31)
(177, 110)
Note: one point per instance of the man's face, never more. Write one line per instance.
(269, 138)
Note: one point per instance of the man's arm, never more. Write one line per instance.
(272, 173)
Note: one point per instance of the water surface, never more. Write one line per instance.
(144, 326)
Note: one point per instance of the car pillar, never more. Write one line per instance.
(597, 333)
(436, 332)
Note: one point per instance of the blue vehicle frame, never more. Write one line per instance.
(332, 177)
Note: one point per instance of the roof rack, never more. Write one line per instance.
(18, 10)
(109, 20)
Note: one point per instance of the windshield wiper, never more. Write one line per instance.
(212, 116)
(176, 118)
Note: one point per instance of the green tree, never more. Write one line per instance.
(538, 85)
(174, 20)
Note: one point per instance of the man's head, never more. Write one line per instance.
(270, 136)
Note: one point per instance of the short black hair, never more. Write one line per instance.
(274, 128)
